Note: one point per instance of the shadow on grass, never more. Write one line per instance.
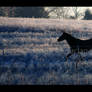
(19, 29)
(34, 65)
(38, 68)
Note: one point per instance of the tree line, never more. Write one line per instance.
(36, 12)
(40, 12)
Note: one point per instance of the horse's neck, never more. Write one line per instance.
(70, 39)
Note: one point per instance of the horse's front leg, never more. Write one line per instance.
(69, 55)
(72, 52)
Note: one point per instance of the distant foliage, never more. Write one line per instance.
(7, 11)
(1, 12)
(88, 15)
(36, 12)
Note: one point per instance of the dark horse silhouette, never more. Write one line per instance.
(76, 45)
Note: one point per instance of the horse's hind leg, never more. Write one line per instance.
(81, 58)
(76, 65)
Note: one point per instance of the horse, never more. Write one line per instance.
(76, 45)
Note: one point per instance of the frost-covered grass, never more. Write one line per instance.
(33, 56)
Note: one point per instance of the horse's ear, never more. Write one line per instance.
(63, 32)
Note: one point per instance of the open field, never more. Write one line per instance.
(30, 53)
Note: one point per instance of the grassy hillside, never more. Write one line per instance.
(30, 53)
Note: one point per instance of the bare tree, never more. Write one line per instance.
(77, 12)
(60, 12)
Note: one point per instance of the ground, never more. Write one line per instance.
(30, 53)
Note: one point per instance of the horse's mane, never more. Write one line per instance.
(75, 37)
(70, 35)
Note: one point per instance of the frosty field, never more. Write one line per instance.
(30, 53)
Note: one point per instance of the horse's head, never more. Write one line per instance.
(62, 37)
